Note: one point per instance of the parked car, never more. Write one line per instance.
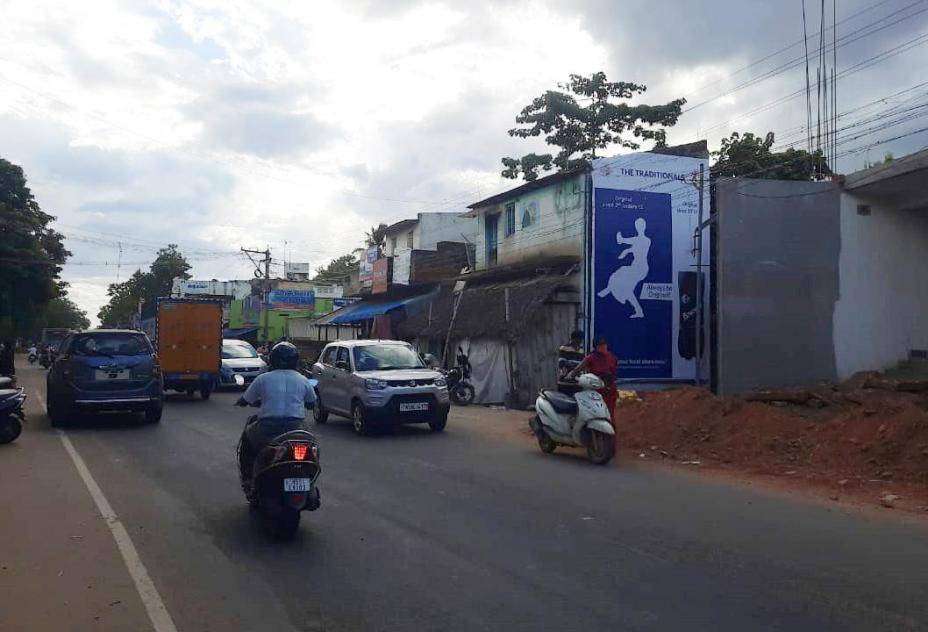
(105, 370)
(239, 358)
(379, 382)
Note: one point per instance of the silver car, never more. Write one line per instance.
(239, 358)
(379, 382)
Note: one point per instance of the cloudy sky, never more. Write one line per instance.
(217, 124)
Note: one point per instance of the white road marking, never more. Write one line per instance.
(160, 617)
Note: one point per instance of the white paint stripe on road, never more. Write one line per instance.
(160, 617)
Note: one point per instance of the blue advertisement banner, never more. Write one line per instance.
(633, 280)
(292, 299)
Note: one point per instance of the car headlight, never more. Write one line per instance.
(375, 385)
(441, 382)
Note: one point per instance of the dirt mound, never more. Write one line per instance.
(844, 435)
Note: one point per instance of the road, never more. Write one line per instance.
(472, 529)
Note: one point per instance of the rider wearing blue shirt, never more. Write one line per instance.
(284, 395)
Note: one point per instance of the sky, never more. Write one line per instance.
(221, 124)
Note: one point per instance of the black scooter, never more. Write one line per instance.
(12, 417)
(283, 480)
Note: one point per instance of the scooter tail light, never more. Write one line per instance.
(300, 450)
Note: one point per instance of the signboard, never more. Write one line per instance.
(366, 272)
(402, 260)
(342, 302)
(329, 291)
(235, 289)
(642, 265)
(292, 299)
(296, 268)
(380, 282)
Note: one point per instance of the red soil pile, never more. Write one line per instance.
(841, 435)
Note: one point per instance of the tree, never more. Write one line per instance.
(143, 287)
(61, 311)
(747, 155)
(376, 236)
(584, 129)
(31, 254)
(337, 269)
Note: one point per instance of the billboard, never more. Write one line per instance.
(368, 257)
(642, 266)
(381, 278)
(292, 299)
(296, 269)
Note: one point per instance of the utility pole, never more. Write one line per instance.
(699, 248)
(266, 253)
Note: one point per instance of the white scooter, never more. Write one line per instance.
(579, 421)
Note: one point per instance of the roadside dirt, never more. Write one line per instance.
(863, 442)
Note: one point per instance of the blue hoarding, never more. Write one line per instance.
(633, 280)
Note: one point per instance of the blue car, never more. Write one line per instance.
(105, 370)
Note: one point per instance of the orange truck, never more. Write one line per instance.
(188, 332)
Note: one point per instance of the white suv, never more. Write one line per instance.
(379, 382)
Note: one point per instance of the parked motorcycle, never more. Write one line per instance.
(460, 389)
(283, 480)
(12, 417)
(581, 420)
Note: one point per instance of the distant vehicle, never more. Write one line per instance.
(379, 382)
(105, 370)
(52, 338)
(189, 343)
(240, 358)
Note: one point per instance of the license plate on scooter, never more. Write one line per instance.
(298, 484)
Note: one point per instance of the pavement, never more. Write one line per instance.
(470, 529)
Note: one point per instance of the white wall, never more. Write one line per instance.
(882, 309)
(557, 228)
(436, 227)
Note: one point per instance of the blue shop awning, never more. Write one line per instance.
(366, 311)
(238, 333)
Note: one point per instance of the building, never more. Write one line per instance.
(270, 309)
(819, 280)
(426, 231)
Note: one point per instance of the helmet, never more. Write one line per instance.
(284, 355)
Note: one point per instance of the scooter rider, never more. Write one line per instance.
(284, 394)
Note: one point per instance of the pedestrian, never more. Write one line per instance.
(604, 365)
(7, 359)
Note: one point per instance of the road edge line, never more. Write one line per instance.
(157, 612)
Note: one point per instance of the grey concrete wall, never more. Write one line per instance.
(778, 281)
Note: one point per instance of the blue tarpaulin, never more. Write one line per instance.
(366, 311)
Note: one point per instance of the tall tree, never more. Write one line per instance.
(61, 311)
(580, 130)
(143, 287)
(31, 254)
(747, 155)
(337, 269)
(376, 236)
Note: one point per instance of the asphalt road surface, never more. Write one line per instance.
(471, 529)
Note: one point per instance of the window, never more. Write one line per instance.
(409, 241)
(386, 357)
(510, 219)
(110, 344)
(329, 356)
(342, 356)
(237, 350)
(392, 245)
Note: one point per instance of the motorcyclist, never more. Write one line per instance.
(604, 365)
(569, 357)
(284, 394)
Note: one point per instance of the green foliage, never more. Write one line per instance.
(376, 236)
(61, 311)
(747, 155)
(31, 254)
(143, 287)
(580, 130)
(338, 269)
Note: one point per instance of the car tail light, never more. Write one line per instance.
(155, 367)
(299, 451)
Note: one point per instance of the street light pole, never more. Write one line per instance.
(267, 282)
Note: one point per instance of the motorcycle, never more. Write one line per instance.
(581, 420)
(33, 357)
(46, 357)
(283, 479)
(12, 417)
(460, 389)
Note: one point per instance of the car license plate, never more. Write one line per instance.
(298, 484)
(118, 374)
(405, 408)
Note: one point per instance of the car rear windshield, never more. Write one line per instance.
(384, 357)
(238, 351)
(115, 344)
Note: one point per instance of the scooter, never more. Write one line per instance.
(12, 417)
(283, 479)
(579, 421)
(33, 357)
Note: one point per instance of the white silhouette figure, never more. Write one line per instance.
(622, 282)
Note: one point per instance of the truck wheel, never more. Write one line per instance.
(205, 392)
